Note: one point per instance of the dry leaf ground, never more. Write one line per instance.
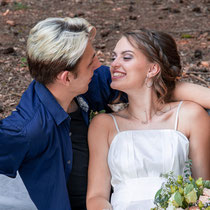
(188, 21)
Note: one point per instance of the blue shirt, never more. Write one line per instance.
(35, 140)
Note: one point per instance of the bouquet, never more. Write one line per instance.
(183, 193)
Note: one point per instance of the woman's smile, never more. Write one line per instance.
(118, 75)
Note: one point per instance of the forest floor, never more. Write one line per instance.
(186, 20)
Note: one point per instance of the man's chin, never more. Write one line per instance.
(84, 91)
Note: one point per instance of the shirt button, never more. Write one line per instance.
(69, 161)
(70, 133)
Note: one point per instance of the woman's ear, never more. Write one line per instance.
(65, 77)
(153, 71)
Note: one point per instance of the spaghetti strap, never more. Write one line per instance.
(177, 116)
(115, 122)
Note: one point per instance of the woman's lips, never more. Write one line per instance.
(118, 75)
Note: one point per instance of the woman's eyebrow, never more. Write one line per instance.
(123, 52)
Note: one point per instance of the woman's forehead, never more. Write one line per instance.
(123, 44)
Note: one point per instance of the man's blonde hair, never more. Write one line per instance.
(57, 44)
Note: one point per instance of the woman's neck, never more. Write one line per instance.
(143, 105)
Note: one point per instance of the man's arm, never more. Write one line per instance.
(192, 92)
(13, 148)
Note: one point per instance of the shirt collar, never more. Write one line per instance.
(50, 103)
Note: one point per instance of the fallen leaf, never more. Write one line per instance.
(205, 63)
(10, 22)
(6, 13)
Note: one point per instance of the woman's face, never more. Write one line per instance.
(129, 67)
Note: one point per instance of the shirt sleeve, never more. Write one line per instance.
(13, 148)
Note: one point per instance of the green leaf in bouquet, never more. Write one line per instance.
(188, 188)
(196, 187)
(206, 184)
(161, 199)
(158, 194)
(188, 166)
(200, 205)
(180, 180)
(199, 182)
(174, 188)
(191, 197)
(184, 204)
(181, 190)
(177, 199)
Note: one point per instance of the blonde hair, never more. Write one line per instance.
(58, 42)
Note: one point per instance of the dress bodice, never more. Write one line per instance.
(136, 160)
(147, 153)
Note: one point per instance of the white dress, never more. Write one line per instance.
(136, 159)
(13, 194)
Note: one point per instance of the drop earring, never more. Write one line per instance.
(148, 82)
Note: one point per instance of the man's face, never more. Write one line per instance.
(87, 64)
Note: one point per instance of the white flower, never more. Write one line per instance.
(83, 104)
(204, 199)
(118, 107)
(206, 192)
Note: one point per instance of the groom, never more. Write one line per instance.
(46, 136)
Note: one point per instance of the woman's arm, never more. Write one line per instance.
(198, 123)
(192, 92)
(99, 178)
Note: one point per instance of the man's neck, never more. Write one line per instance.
(73, 106)
(63, 97)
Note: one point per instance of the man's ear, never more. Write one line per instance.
(154, 70)
(65, 77)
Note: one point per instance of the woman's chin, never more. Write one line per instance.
(116, 86)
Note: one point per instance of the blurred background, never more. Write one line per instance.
(188, 21)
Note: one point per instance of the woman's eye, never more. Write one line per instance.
(127, 58)
(112, 58)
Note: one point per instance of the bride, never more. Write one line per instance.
(131, 148)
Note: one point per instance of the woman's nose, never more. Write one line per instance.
(115, 63)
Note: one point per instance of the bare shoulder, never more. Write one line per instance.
(192, 110)
(101, 124)
(101, 119)
(194, 115)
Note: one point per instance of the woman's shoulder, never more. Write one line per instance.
(192, 116)
(192, 110)
(102, 117)
(102, 121)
